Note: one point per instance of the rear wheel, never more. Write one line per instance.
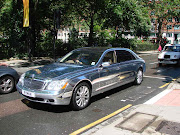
(81, 96)
(139, 77)
(6, 84)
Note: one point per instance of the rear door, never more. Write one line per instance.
(127, 66)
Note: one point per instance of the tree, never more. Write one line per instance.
(88, 10)
(127, 15)
(10, 25)
(163, 9)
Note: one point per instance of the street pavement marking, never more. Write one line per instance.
(167, 83)
(12, 107)
(100, 120)
(157, 97)
(153, 63)
(162, 70)
(160, 95)
(162, 78)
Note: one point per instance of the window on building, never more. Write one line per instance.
(153, 28)
(152, 34)
(177, 19)
(152, 12)
(169, 35)
(169, 41)
(153, 20)
(169, 27)
(176, 27)
(170, 19)
(178, 35)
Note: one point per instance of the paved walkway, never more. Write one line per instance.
(158, 116)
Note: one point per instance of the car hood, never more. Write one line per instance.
(55, 70)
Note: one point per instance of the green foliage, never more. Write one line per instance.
(127, 15)
(141, 45)
(100, 17)
(163, 9)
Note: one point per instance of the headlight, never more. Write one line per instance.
(57, 85)
(21, 80)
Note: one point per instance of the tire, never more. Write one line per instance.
(139, 77)
(7, 84)
(81, 96)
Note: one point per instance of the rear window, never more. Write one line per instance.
(123, 55)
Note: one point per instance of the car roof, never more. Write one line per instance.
(100, 49)
(172, 45)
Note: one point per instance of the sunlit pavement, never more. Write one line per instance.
(160, 115)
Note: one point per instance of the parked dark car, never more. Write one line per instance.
(8, 79)
(81, 74)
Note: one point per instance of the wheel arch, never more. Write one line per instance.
(86, 81)
(4, 75)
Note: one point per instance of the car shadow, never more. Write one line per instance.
(110, 92)
(47, 107)
(67, 108)
(166, 72)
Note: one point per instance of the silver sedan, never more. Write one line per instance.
(81, 74)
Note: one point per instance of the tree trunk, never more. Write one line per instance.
(159, 34)
(90, 41)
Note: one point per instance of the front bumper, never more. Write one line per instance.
(46, 96)
(167, 61)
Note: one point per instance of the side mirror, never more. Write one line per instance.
(105, 64)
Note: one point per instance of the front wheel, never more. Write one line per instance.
(6, 84)
(81, 96)
(139, 77)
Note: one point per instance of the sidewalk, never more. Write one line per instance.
(158, 116)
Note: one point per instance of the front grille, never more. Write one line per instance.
(166, 56)
(33, 84)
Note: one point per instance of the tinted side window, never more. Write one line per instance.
(123, 55)
(109, 57)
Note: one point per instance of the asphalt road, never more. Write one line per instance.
(21, 117)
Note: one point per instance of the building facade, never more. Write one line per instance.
(170, 29)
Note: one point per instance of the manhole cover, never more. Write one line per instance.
(137, 122)
(168, 127)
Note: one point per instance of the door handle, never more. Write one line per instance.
(105, 70)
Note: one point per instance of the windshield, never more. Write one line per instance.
(172, 48)
(83, 57)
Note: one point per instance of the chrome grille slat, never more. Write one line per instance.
(166, 56)
(34, 84)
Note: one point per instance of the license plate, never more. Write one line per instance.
(28, 93)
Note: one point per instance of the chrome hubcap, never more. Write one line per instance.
(139, 76)
(6, 85)
(82, 96)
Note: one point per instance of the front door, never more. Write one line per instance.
(109, 73)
